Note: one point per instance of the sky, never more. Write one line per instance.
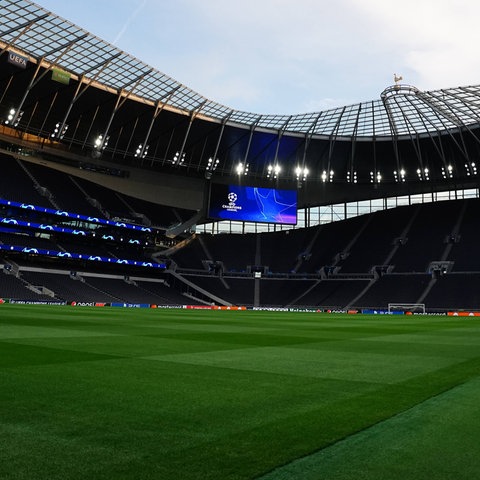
(291, 56)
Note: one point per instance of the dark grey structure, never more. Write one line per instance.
(82, 105)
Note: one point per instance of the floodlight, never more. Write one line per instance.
(13, 119)
(241, 168)
(212, 164)
(100, 143)
(140, 151)
(273, 170)
(177, 160)
(302, 172)
(56, 132)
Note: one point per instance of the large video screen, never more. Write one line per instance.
(253, 204)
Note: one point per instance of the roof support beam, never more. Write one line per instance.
(132, 133)
(465, 125)
(439, 147)
(250, 137)
(100, 65)
(438, 109)
(449, 131)
(412, 132)
(34, 81)
(281, 131)
(159, 106)
(136, 81)
(25, 94)
(467, 103)
(217, 146)
(80, 91)
(64, 47)
(121, 99)
(333, 137)
(393, 128)
(193, 115)
(374, 141)
(354, 139)
(24, 28)
(308, 137)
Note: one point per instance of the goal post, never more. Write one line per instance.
(406, 307)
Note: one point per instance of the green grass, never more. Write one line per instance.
(169, 394)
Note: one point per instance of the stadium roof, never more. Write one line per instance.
(401, 111)
(79, 100)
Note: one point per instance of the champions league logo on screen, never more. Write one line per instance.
(252, 204)
(232, 206)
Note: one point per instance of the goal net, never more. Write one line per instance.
(406, 307)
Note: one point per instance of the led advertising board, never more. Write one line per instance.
(252, 204)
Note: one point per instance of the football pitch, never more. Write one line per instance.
(106, 393)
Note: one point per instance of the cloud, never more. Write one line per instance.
(434, 40)
(129, 20)
(279, 56)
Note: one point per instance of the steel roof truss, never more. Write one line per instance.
(121, 99)
(217, 146)
(24, 26)
(250, 138)
(65, 47)
(281, 131)
(333, 137)
(466, 125)
(80, 91)
(449, 132)
(308, 137)
(354, 138)
(193, 115)
(100, 65)
(414, 137)
(438, 109)
(439, 147)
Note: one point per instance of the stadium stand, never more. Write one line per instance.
(282, 292)
(330, 244)
(66, 195)
(350, 249)
(14, 287)
(377, 240)
(464, 242)
(335, 294)
(23, 189)
(450, 291)
(394, 288)
(425, 240)
(109, 201)
(161, 293)
(69, 289)
(282, 252)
